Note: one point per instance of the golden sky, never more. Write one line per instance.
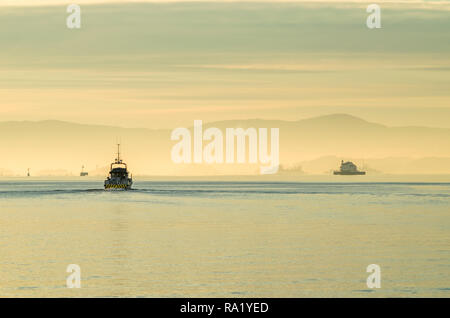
(164, 65)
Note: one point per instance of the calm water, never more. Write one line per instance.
(224, 239)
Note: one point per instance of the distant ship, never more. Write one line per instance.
(118, 175)
(83, 173)
(349, 169)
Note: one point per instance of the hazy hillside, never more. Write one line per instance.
(54, 145)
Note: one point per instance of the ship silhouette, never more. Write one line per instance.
(348, 168)
(83, 173)
(118, 175)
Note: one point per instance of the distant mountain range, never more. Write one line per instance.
(314, 145)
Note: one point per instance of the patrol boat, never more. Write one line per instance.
(348, 169)
(118, 175)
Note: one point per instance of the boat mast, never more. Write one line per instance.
(118, 153)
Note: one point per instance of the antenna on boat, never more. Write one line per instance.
(118, 153)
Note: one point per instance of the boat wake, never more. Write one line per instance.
(15, 193)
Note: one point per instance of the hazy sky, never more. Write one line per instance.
(166, 64)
